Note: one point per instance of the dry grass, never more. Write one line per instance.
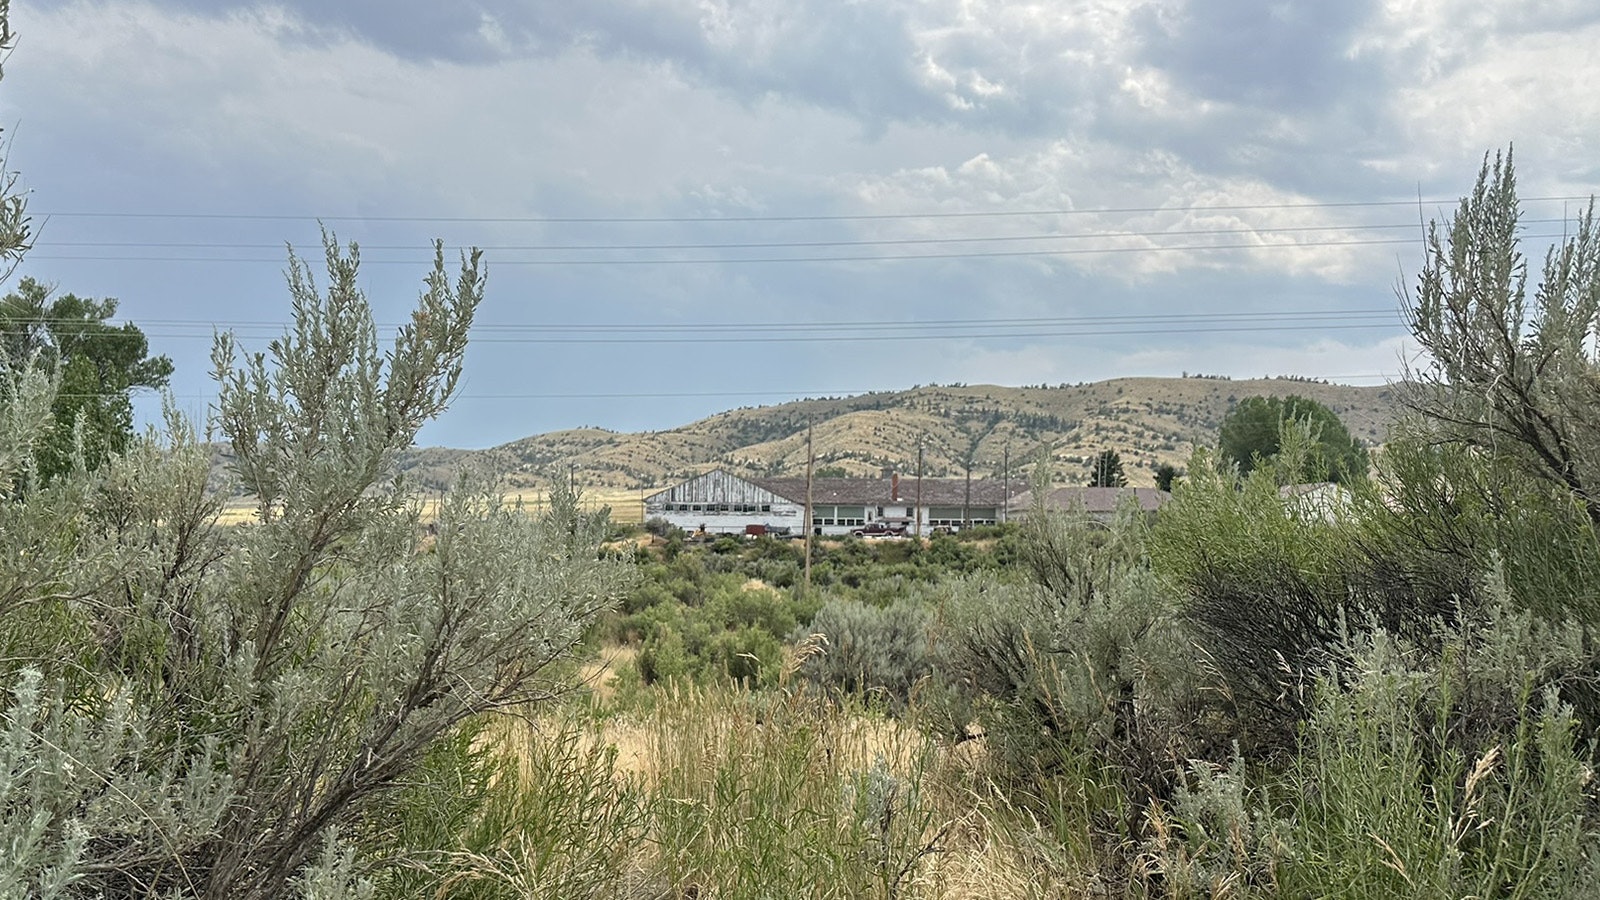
(736, 782)
(627, 508)
(625, 505)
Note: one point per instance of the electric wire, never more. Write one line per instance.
(841, 217)
(770, 245)
(738, 260)
(834, 331)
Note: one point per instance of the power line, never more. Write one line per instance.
(771, 245)
(736, 260)
(768, 245)
(1151, 328)
(798, 396)
(808, 325)
(849, 217)
(912, 331)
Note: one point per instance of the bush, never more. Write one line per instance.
(736, 633)
(1081, 680)
(1421, 772)
(1270, 588)
(221, 709)
(870, 650)
(661, 528)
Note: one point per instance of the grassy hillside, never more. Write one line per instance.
(1149, 421)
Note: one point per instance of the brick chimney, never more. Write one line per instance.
(894, 487)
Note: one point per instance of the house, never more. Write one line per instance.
(719, 502)
(1100, 503)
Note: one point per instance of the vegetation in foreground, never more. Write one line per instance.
(1394, 692)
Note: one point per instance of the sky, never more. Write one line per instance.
(688, 206)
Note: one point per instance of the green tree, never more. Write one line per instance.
(1253, 431)
(1106, 470)
(1167, 475)
(193, 711)
(98, 365)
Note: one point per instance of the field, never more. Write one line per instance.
(627, 507)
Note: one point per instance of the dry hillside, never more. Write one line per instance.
(1147, 420)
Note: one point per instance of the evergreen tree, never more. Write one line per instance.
(1106, 470)
(1166, 475)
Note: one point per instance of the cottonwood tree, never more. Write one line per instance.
(98, 366)
(1253, 431)
(209, 712)
(1513, 378)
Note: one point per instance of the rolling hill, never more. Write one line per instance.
(1149, 421)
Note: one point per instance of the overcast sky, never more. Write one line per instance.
(693, 205)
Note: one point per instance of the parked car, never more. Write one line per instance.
(880, 529)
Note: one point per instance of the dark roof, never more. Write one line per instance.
(876, 491)
(1096, 499)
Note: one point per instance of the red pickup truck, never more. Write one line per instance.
(880, 529)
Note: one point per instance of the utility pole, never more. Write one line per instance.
(919, 490)
(811, 461)
(1005, 484)
(966, 503)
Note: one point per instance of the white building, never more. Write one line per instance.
(719, 502)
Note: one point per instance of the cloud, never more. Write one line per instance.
(1198, 148)
(1272, 53)
(1130, 215)
(1468, 76)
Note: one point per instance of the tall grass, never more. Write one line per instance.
(1390, 794)
(779, 795)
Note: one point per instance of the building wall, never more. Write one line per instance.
(720, 503)
(781, 519)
